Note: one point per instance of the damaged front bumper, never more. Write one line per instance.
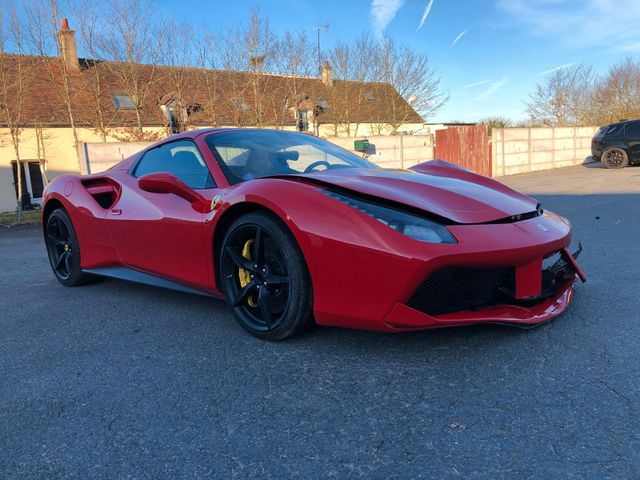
(527, 297)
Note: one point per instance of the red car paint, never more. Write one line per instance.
(362, 271)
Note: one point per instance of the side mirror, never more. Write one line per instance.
(163, 182)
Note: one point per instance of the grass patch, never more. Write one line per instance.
(29, 217)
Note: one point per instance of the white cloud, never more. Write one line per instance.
(382, 12)
(591, 23)
(493, 88)
(555, 69)
(427, 11)
(476, 84)
(630, 48)
(460, 35)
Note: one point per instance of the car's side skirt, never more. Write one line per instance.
(129, 274)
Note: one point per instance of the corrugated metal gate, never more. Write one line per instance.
(468, 147)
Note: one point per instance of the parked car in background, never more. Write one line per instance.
(617, 145)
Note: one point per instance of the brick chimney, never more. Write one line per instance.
(67, 39)
(327, 74)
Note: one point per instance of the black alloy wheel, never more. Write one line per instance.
(265, 278)
(63, 249)
(615, 157)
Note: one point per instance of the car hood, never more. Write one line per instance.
(455, 194)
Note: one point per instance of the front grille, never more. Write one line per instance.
(454, 289)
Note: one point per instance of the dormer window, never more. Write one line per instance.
(123, 102)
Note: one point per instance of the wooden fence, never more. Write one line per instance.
(465, 146)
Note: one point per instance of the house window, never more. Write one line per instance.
(367, 96)
(302, 121)
(123, 102)
(32, 182)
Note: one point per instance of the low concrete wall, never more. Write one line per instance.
(389, 151)
(98, 157)
(521, 150)
(392, 151)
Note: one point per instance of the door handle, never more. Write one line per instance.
(116, 211)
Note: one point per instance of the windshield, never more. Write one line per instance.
(248, 154)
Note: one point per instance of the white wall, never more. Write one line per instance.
(393, 151)
(98, 157)
(521, 150)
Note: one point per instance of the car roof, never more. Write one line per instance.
(623, 122)
(192, 134)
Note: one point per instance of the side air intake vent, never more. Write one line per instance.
(103, 190)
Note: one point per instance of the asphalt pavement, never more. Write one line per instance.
(117, 380)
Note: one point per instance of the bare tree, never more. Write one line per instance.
(234, 81)
(342, 100)
(42, 138)
(43, 27)
(15, 79)
(132, 43)
(495, 122)
(295, 60)
(177, 52)
(208, 62)
(259, 46)
(246, 54)
(411, 76)
(374, 64)
(617, 94)
(90, 28)
(564, 98)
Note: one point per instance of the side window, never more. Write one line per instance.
(181, 159)
(615, 129)
(633, 130)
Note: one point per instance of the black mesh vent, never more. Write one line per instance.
(455, 289)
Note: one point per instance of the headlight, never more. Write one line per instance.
(413, 226)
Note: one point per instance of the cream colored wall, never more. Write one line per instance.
(60, 154)
(62, 157)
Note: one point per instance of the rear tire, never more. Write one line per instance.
(615, 157)
(63, 249)
(265, 278)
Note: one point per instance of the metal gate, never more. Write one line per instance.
(468, 147)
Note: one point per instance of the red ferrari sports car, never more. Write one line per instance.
(292, 230)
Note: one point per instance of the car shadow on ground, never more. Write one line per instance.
(213, 318)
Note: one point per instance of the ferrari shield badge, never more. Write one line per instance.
(215, 201)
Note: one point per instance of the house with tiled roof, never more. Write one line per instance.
(69, 100)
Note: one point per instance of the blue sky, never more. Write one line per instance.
(502, 50)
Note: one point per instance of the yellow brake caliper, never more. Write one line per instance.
(243, 276)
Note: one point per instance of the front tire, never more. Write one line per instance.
(63, 249)
(615, 157)
(265, 278)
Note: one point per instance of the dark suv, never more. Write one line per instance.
(617, 145)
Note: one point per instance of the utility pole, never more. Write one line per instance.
(317, 28)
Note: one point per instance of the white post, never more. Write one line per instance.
(529, 147)
(553, 147)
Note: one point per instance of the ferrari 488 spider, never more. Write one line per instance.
(293, 230)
